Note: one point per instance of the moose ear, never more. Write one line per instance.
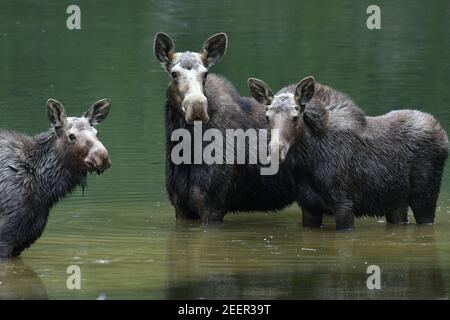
(98, 111)
(305, 91)
(56, 115)
(164, 49)
(214, 49)
(260, 91)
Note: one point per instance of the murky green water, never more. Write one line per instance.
(122, 232)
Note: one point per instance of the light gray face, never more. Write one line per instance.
(188, 79)
(283, 112)
(188, 72)
(78, 139)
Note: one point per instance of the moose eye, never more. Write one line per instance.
(267, 118)
(72, 137)
(294, 119)
(174, 75)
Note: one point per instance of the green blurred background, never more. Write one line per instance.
(122, 232)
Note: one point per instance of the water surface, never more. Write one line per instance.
(122, 231)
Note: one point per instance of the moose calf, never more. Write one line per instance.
(350, 164)
(35, 172)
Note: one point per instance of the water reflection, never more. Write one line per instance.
(304, 265)
(125, 217)
(19, 281)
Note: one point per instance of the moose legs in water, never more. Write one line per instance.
(399, 216)
(199, 208)
(426, 182)
(202, 205)
(311, 218)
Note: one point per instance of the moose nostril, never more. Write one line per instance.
(102, 153)
(102, 158)
(89, 163)
(197, 112)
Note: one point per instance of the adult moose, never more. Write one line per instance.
(375, 166)
(209, 191)
(36, 172)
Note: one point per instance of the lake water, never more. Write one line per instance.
(122, 232)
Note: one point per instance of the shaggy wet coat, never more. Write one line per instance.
(210, 191)
(374, 166)
(33, 177)
(36, 172)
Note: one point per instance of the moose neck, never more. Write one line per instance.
(313, 126)
(315, 119)
(53, 176)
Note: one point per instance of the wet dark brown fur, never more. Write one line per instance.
(36, 172)
(210, 191)
(375, 166)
